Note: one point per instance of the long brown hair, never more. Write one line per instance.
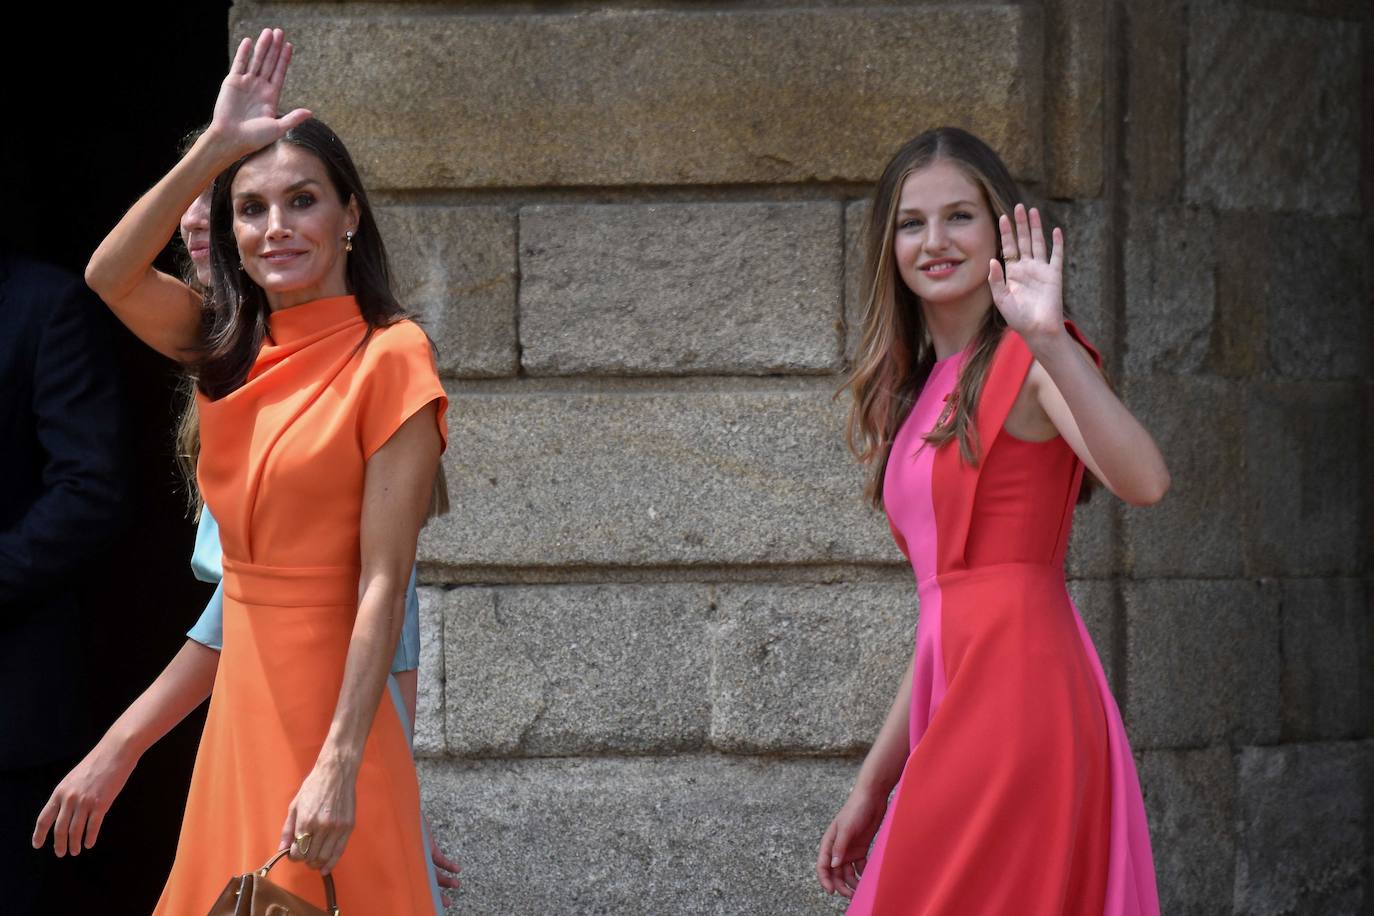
(240, 316)
(237, 310)
(187, 438)
(896, 354)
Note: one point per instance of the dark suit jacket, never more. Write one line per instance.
(62, 485)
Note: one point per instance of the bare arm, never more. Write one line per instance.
(1094, 422)
(79, 803)
(844, 847)
(1068, 386)
(883, 765)
(396, 492)
(161, 310)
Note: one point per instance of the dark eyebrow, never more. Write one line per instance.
(965, 204)
(303, 183)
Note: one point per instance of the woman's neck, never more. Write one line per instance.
(292, 298)
(952, 327)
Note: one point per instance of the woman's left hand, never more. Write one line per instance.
(1030, 292)
(445, 869)
(326, 809)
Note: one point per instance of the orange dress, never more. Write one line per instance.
(282, 468)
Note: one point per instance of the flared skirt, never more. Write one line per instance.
(286, 636)
(1019, 794)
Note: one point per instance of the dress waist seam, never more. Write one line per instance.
(954, 576)
(290, 586)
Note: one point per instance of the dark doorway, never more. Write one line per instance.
(97, 100)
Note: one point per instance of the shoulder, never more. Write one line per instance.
(398, 356)
(401, 335)
(402, 341)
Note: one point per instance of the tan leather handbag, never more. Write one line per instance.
(253, 895)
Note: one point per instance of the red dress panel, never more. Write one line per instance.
(1019, 794)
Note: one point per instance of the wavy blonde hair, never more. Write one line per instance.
(895, 354)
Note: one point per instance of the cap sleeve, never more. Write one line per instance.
(400, 378)
(1083, 342)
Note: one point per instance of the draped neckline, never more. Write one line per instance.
(310, 318)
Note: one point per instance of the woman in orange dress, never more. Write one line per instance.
(322, 421)
(1002, 779)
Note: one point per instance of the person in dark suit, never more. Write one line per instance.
(62, 497)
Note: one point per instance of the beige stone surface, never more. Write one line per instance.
(679, 836)
(455, 267)
(650, 476)
(808, 669)
(1291, 298)
(442, 99)
(577, 669)
(722, 288)
(429, 700)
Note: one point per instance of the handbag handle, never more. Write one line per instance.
(330, 899)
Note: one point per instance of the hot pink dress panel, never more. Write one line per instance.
(1019, 794)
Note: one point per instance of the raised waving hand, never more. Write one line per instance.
(246, 111)
(164, 312)
(1030, 292)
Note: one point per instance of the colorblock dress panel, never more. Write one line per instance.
(1019, 793)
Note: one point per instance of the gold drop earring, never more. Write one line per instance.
(348, 240)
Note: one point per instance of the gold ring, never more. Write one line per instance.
(303, 842)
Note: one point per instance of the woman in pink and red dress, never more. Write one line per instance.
(1002, 781)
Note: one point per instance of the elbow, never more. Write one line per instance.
(1151, 491)
(96, 278)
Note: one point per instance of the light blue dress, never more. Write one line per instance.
(208, 565)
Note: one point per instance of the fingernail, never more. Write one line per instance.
(834, 861)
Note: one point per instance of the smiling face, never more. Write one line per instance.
(195, 235)
(290, 226)
(944, 237)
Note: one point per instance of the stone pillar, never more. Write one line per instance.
(1244, 237)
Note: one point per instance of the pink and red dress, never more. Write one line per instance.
(1019, 794)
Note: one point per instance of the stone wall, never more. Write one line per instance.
(660, 625)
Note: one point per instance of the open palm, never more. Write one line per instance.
(246, 110)
(1030, 291)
